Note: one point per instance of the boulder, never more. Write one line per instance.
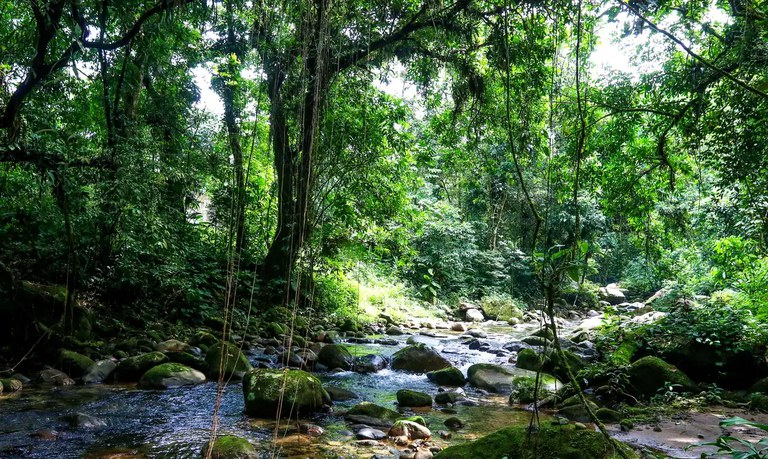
(10, 385)
(132, 368)
(395, 331)
(370, 363)
(612, 294)
(409, 429)
(493, 378)
(171, 374)
(56, 377)
(418, 358)
(338, 394)
(230, 447)
(474, 315)
(172, 345)
(458, 327)
(528, 359)
(371, 414)
(336, 356)
(368, 433)
(74, 363)
(190, 360)
(99, 372)
(449, 376)
(263, 389)
(407, 397)
(84, 421)
(446, 397)
(454, 423)
(564, 442)
(650, 374)
(226, 358)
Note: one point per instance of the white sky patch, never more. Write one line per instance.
(209, 100)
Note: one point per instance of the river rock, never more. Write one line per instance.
(74, 363)
(409, 429)
(649, 374)
(10, 385)
(454, 423)
(188, 359)
(458, 327)
(395, 331)
(132, 368)
(336, 356)
(449, 396)
(301, 392)
(99, 372)
(407, 397)
(449, 376)
(234, 364)
(230, 447)
(371, 414)
(612, 294)
(56, 377)
(493, 378)
(84, 421)
(474, 315)
(370, 363)
(170, 375)
(528, 359)
(477, 333)
(369, 433)
(338, 394)
(418, 358)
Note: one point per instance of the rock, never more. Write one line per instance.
(204, 338)
(649, 374)
(449, 376)
(577, 412)
(301, 392)
(171, 374)
(99, 372)
(74, 363)
(474, 315)
(535, 341)
(454, 423)
(458, 327)
(409, 429)
(331, 336)
(371, 414)
(231, 447)
(407, 397)
(554, 366)
(338, 394)
(10, 385)
(369, 433)
(172, 345)
(550, 442)
(132, 368)
(369, 363)
(608, 415)
(477, 333)
(56, 377)
(760, 386)
(188, 359)
(395, 331)
(234, 364)
(493, 378)
(313, 430)
(84, 421)
(611, 294)
(336, 356)
(444, 434)
(418, 358)
(528, 359)
(446, 397)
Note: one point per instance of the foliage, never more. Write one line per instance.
(738, 448)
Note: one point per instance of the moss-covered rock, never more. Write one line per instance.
(577, 411)
(268, 391)
(336, 356)
(650, 374)
(609, 415)
(372, 414)
(172, 345)
(760, 386)
(528, 359)
(407, 397)
(74, 363)
(99, 372)
(170, 375)
(418, 358)
(230, 447)
(10, 385)
(132, 368)
(409, 429)
(550, 442)
(624, 352)
(204, 338)
(493, 378)
(555, 366)
(226, 358)
(449, 376)
(192, 361)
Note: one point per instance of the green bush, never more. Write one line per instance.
(501, 307)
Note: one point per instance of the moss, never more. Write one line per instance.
(450, 376)
(608, 415)
(231, 447)
(74, 363)
(170, 374)
(624, 352)
(551, 442)
(234, 363)
(528, 359)
(132, 368)
(650, 374)
(301, 392)
(418, 358)
(374, 411)
(416, 419)
(407, 397)
(10, 385)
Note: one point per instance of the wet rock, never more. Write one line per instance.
(10, 385)
(171, 374)
(474, 315)
(577, 412)
(84, 421)
(188, 359)
(407, 397)
(338, 394)
(454, 423)
(132, 368)
(227, 358)
(268, 391)
(449, 376)
(535, 341)
(458, 327)
(172, 345)
(56, 377)
(395, 331)
(444, 434)
(528, 359)
(418, 358)
(409, 429)
(446, 397)
(336, 356)
(74, 363)
(612, 294)
(387, 342)
(230, 447)
(45, 434)
(608, 415)
(204, 338)
(99, 372)
(369, 433)
(477, 333)
(370, 363)
(649, 374)
(493, 378)
(371, 414)
(423, 453)
(21, 377)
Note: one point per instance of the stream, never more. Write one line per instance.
(121, 421)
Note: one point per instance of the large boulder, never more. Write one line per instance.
(449, 376)
(132, 368)
(493, 378)
(528, 359)
(474, 315)
(650, 374)
(230, 447)
(418, 358)
(612, 294)
(551, 442)
(74, 363)
(267, 392)
(409, 429)
(336, 356)
(99, 372)
(227, 358)
(371, 414)
(170, 375)
(407, 397)
(370, 363)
